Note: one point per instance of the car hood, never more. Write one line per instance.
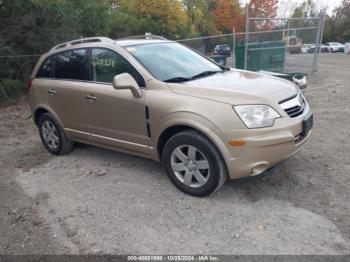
(238, 87)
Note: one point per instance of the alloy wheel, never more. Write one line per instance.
(50, 134)
(190, 166)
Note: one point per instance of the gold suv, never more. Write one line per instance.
(157, 99)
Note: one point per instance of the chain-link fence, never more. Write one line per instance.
(283, 44)
(219, 47)
(287, 45)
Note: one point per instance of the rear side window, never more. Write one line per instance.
(71, 65)
(106, 64)
(46, 68)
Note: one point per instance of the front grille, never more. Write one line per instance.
(295, 111)
(294, 106)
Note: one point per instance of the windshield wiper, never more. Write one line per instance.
(177, 79)
(205, 73)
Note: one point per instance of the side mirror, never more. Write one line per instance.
(126, 81)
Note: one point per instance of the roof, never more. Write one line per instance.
(131, 42)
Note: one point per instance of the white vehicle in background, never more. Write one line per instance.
(333, 47)
(306, 48)
(311, 48)
(347, 48)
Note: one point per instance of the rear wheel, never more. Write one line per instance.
(193, 163)
(53, 136)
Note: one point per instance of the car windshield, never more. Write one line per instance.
(172, 62)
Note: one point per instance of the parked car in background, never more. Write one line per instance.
(158, 99)
(306, 48)
(311, 48)
(333, 47)
(347, 48)
(222, 50)
(324, 48)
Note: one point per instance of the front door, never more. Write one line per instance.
(116, 117)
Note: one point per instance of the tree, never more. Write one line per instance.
(263, 9)
(169, 15)
(307, 9)
(337, 27)
(227, 14)
(200, 20)
(34, 26)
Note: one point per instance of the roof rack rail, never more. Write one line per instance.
(146, 36)
(83, 41)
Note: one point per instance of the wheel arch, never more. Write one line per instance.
(42, 109)
(175, 128)
(38, 113)
(168, 133)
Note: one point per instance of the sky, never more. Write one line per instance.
(287, 6)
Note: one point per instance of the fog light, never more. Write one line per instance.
(258, 169)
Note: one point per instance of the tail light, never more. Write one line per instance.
(29, 84)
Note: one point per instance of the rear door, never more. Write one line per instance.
(65, 91)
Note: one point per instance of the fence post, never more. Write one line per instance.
(320, 43)
(246, 38)
(318, 46)
(287, 45)
(234, 47)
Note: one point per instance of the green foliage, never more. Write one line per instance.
(200, 20)
(10, 91)
(307, 9)
(34, 26)
(337, 27)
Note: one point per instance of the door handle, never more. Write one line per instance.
(91, 98)
(52, 92)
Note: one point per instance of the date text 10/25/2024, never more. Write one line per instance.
(173, 258)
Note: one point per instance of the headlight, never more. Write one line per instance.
(255, 116)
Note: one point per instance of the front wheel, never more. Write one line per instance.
(194, 164)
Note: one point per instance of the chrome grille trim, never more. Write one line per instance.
(294, 106)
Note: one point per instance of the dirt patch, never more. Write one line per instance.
(98, 201)
(22, 228)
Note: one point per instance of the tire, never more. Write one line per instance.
(200, 168)
(53, 136)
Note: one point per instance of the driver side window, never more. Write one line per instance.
(106, 64)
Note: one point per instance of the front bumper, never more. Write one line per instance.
(264, 147)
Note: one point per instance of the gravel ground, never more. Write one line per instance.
(95, 201)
